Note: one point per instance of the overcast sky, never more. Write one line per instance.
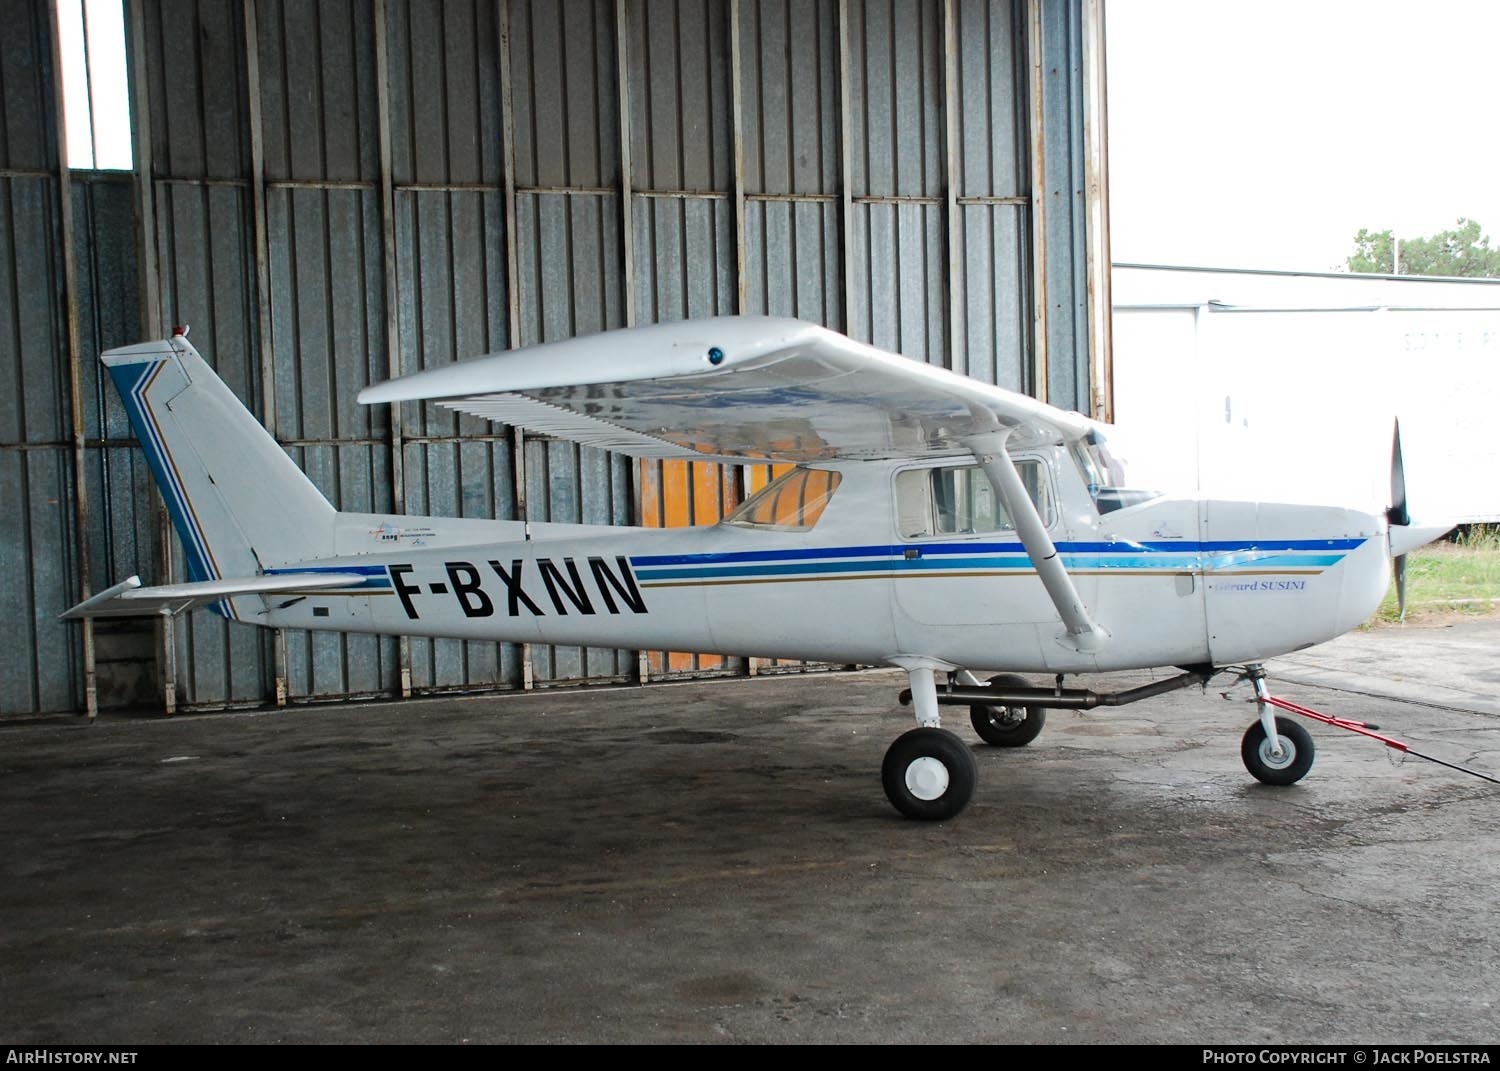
(1265, 134)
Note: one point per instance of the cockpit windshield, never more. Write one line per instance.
(791, 503)
(1104, 473)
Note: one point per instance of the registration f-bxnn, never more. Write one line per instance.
(931, 522)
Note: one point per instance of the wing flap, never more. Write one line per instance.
(129, 599)
(559, 422)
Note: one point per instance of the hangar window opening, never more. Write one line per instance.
(791, 503)
(96, 89)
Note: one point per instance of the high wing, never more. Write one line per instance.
(755, 388)
(734, 388)
(129, 599)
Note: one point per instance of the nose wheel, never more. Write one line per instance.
(1276, 751)
(1284, 761)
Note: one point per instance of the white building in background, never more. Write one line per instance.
(1292, 380)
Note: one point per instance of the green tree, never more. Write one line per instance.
(1463, 251)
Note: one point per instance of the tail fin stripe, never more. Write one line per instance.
(200, 561)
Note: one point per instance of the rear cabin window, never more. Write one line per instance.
(960, 500)
(791, 503)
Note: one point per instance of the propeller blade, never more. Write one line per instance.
(1398, 513)
(1400, 564)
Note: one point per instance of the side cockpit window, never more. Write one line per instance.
(960, 500)
(791, 503)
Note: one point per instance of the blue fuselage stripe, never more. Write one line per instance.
(375, 576)
(1213, 557)
(1176, 546)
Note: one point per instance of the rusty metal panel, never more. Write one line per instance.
(1066, 218)
(445, 92)
(108, 291)
(124, 538)
(199, 101)
(685, 246)
(991, 233)
(679, 95)
(566, 92)
(995, 254)
(991, 59)
(901, 263)
(568, 247)
(896, 96)
(317, 90)
(28, 136)
(327, 313)
(33, 354)
(791, 96)
(41, 581)
(451, 300)
(794, 261)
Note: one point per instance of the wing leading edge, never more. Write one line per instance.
(734, 388)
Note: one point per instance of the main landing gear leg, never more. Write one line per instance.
(1276, 751)
(928, 773)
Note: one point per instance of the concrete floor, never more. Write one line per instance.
(717, 862)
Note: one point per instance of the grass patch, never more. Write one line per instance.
(1445, 578)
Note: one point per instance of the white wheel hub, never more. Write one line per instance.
(1271, 759)
(926, 778)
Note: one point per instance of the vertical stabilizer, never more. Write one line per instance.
(238, 502)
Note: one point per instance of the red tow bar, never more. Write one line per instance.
(1366, 729)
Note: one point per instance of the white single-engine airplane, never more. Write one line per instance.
(932, 523)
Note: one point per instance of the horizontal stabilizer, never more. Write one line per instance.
(129, 599)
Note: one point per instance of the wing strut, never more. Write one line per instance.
(991, 453)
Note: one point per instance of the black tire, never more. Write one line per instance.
(1296, 741)
(921, 790)
(1008, 726)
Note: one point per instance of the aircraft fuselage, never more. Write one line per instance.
(1176, 581)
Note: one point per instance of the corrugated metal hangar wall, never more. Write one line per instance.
(339, 192)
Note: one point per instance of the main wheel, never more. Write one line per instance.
(929, 774)
(1007, 726)
(1261, 760)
